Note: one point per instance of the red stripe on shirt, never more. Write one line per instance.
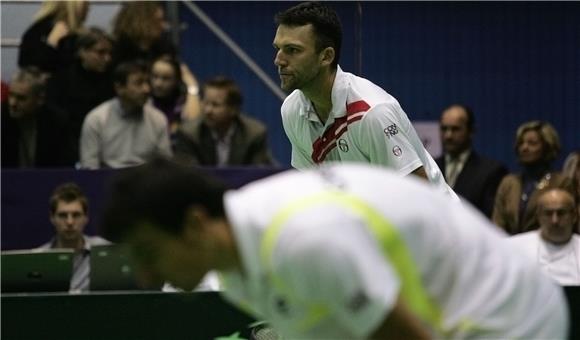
(323, 145)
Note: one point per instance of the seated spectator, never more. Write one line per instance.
(176, 97)
(571, 169)
(69, 214)
(471, 175)
(537, 146)
(86, 83)
(222, 136)
(49, 43)
(34, 135)
(554, 246)
(139, 29)
(126, 130)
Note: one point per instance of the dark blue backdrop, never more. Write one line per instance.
(510, 61)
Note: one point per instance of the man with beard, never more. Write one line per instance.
(125, 131)
(331, 115)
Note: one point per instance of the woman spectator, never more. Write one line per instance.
(174, 95)
(49, 44)
(139, 30)
(537, 146)
(86, 83)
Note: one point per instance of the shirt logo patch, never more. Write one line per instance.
(343, 145)
(397, 151)
(281, 305)
(391, 131)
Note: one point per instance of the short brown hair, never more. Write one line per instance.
(68, 192)
(234, 96)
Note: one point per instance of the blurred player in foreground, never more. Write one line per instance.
(343, 252)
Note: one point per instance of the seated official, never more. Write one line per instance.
(69, 215)
(222, 136)
(554, 246)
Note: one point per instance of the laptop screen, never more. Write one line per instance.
(111, 268)
(36, 271)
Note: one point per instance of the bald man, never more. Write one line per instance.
(471, 175)
(554, 245)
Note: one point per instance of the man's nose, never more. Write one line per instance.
(278, 60)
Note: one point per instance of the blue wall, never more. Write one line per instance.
(510, 61)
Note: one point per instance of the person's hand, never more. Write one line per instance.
(187, 76)
(59, 31)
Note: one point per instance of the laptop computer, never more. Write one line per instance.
(111, 268)
(36, 270)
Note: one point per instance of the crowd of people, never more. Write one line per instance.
(89, 99)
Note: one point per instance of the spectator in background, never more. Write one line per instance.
(571, 169)
(170, 94)
(34, 135)
(471, 175)
(84, 84)
(554, 246)
(126, 130)
(537, 145)
(69, 214)
(222, 136)
(49, 43)
(139, 32)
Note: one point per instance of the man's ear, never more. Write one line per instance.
(327, 56)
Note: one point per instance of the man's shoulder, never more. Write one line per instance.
(96, 241)
(252, 124)
(293, 104)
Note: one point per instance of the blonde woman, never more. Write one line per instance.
(49, 43)
(537, 145)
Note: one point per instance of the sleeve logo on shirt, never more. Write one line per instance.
(357, 302)
(397, 151)
(391, 131)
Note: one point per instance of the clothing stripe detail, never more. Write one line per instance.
(323, 145)
(358, 106)
(392, 244)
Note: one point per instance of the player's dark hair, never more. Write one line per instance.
(159, 194)
(323, 19)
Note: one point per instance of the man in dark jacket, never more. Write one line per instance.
(33, 134)
(222, 136)
(471, 175)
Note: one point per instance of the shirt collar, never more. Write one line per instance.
(462, 158)
(338, 95)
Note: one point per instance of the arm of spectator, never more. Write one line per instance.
(59, 31)
(499, 207)
(261, 154)
(164, 144)
(192, 105)
(90, 143)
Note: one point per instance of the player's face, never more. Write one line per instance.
(455, 135)
(557, 216)
(69, 220)
(163, 257)
(530, 148)
(297, 60)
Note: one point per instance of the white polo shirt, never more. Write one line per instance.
(366, 124)
(325, 256)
